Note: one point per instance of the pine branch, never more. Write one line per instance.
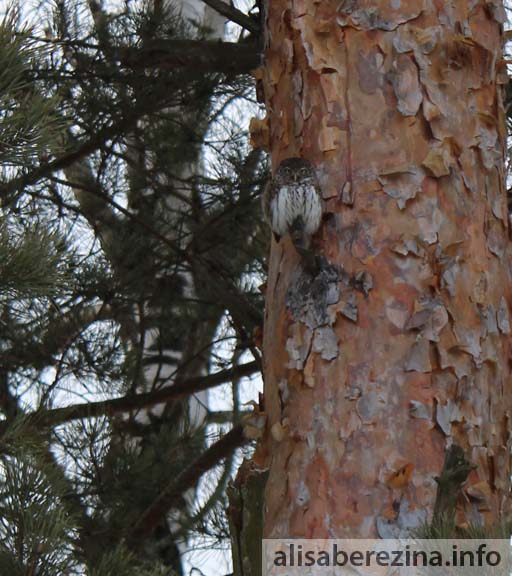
(132, 216)
(57, 334)
(32, 263)
(100, 18)
(199, 57)
(233, 14)
(29, 119)
(183, 389)
(82, 150)
(187, 479)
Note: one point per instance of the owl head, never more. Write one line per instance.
(295, 170)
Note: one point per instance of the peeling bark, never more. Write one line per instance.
(398, 106)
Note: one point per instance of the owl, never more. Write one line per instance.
(292, 203)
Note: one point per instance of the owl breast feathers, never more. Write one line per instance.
(292, 203)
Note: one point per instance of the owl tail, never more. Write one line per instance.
(302, 241)
(298, 234)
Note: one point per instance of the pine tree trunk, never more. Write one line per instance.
(399, 347)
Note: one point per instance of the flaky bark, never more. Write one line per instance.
(400, 345)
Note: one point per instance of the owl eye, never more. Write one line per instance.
(304, 172)
(287, 171)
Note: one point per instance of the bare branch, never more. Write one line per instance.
(234, 15)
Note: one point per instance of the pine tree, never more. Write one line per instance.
(398, 348)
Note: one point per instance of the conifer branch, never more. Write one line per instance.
(83, 149)
(183, 389)
(196, 56)
(171, 495)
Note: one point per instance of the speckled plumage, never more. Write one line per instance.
(292, 203)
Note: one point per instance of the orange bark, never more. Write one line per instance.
(402, 347)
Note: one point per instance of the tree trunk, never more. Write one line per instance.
(399, 346)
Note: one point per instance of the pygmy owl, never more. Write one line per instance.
(292, 203)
